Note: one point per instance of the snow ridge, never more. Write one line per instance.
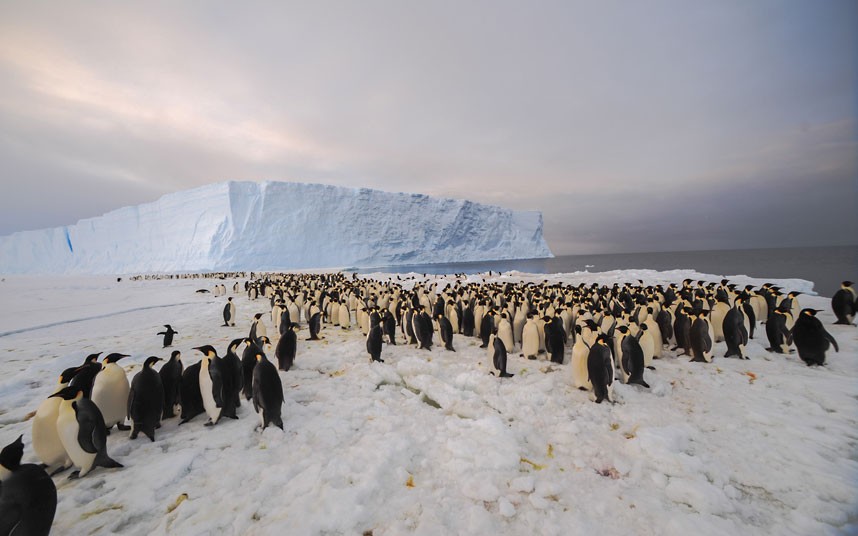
(277, 226)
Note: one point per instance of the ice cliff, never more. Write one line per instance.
(274, 226)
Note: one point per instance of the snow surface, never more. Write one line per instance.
(277, 226)
(430, 443)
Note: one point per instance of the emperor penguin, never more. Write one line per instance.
(530, 338)
(654, 331)
(445, 328)
(580, 352)
(192, 399)
(28, 496)
(499, 357)
(211, 384)
(168, 335)
(83, 432)
(171, 382)
(600, 370)
(229, 313)
(110, 392)
(46, 440)
(234, 373)
(505, 332)
(373, 343)
(716, 318)
(257, 329)
(811, 339)
(631, 357)
(701, 339)
(86, 374)
(844, 303)
(518, 324)
(735, 332)
(146, 400)
(287, 347)
(648, 346)
(345, 318)
(267, 392)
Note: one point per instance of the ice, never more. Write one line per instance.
(277, 226)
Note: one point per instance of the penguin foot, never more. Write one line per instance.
(133, 435)
(107, 431)
(122, 427)
(532, 357)
(74, 476)
(582, 388)
(651, 367)
(59, 470)
(209, 423)
(506, 375)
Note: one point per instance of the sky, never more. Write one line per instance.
(632, 126)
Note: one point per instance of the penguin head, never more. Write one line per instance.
(10, 456)
(68, 374)
(644, 327)
(623, 329)
(69, 393)
(207, 350)
(177, 355)
(809, 312)
(151, 360)
(846, 284)
(167, 326)
(91, 358)
(113, 358)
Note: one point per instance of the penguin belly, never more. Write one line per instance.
(209, 403)
(530, 340)
(580, 376)
(67, 429)
(505, 335)
(110, 393)
(46, 439)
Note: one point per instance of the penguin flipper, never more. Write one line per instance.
(10, 516)
(831, 340)
(103, 460)
(90, 434)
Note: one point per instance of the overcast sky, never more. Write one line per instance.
(632, 126)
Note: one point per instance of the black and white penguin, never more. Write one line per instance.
(499, 358)
(445, 328)
(315, 325)
(735, 333)
(82, 431)
(46, 440)
(171, 381)
(631, 357)
(168, 335)
(779, 335)
(231, 365)
(257, 330)
(844, 303)
(146, 400)
(423, 329)
(28, 496)
(682, 329)
(229, 313)
(811, 339)
(248, 363)
(286, 348)
(192, 399)
(267, 392)
(388, 327)
(600, 369)
(86, 374)
(211, 384)
(555, 338)
(701, 339)
(373, 343)
(487, 326)
(110, 392)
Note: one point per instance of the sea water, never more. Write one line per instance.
(826, 266)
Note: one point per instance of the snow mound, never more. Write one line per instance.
(277, 226)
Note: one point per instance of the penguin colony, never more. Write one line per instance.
(615, 333)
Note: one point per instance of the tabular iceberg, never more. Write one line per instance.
(277, 226)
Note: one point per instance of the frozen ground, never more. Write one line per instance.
(430, 443)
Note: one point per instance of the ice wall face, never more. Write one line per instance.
(277, 226)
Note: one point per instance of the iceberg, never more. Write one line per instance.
(277, 226)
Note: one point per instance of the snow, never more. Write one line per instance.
(277, 226)
(430, 442)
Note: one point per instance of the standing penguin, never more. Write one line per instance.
(445, 327)
(267, 392)
(211, 384)
(286, 348)
(388, 327)
(46, 440)
(499, 357)
(701, 339)
(192, 399)
(779, 335)
(735, 333)
(171, 382)
(600, 369)
(168, 335)
(631, 357)
(530, 338)
(314, 324)
(373, 343)
(146, 400)
(248, 363)
(580, 351)
(487, 326)
(423, 329)
(28, 496)
(110, 392)
(229, 313)
(257, 330)
(811, 338)
(231, 365)
(82, 430)
(844, 303)
(554, 338)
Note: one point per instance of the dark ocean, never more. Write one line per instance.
(826, 266)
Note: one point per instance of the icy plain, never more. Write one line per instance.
(277, 226)
(430, 443)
